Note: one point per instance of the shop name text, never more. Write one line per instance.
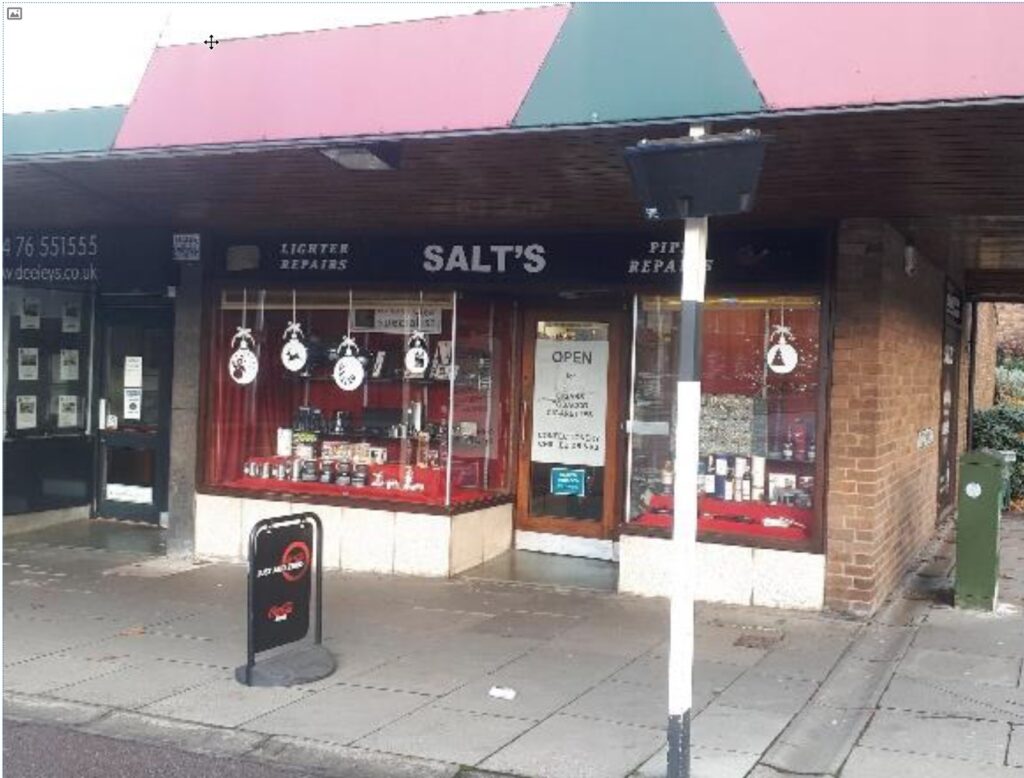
(494, 258)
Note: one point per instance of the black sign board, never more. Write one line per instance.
(283, 564)
(126, 260)
(284, 572)
(630, 260)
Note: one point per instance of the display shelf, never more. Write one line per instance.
(317, 489)
(732, 518)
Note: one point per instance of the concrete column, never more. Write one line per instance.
(188, 309)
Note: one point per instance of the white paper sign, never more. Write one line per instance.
(132, 372)
(570, 400)
(69, 364)
(31, 310)
(71, 318)
(399, 321)
(25, 412)
(28, 364)
(186, 246)
(132, 403)
(67, 410)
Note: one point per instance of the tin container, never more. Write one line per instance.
(264, 470)
(326, 472)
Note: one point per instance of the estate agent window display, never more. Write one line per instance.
(398, 397)
(47, 357)
(760, 465)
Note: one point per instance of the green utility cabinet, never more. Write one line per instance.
(977, 529)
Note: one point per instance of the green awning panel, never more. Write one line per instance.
(639, 61)
(53, 132)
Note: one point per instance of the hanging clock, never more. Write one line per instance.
(294, 353)
(349, 372)
(417, 356)
(782, 357)
(243, 365)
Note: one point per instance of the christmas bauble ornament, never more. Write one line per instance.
(243, 366)
(294, 353)
(417, 357)
(349, 371)
(782, 358)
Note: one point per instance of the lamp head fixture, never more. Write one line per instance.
(708, 175)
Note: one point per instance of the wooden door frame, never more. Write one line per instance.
(614, 460)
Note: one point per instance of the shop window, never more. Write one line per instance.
(373, 396)
(47, 345)
(759, 471)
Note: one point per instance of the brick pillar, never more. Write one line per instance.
(854, 411)
(885, 393)
(184, 412)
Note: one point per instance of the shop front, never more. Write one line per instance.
(88, 323)
(441, 400)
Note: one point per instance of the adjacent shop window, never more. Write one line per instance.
(47, 341)
(761, 382)
(379, 396)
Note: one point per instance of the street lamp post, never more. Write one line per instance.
(690, 179)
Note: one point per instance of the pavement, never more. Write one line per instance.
(119, 645)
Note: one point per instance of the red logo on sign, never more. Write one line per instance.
(280, 612)
(295, 561)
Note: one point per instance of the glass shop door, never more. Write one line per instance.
(570, 432)
(133, 413)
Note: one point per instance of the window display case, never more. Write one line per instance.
(48, 343)
(759, 469)
(398, 397)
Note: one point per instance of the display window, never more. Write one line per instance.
(398, 397)
(47, 358)
(759, 472)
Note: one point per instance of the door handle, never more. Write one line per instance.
(101, 422)
(522, 422)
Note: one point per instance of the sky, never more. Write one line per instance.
(80, 55)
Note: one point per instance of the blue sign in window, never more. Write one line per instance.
(568, 482)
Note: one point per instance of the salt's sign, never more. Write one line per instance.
(570, 398)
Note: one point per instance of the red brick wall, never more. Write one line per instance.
(885, 390)
(985, 355)
(1011, 328)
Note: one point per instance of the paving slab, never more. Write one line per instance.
(187, 736)
(704, 763)
(881, 642)
(762, 691)
(817, 741)
(438, 668)
(1015, 753)
(57, 670)
(544, 680)
(867, 762)
(855, 683)
(811, 660)
(567, 747)
(133, 687)
(953, 698)
(959, 738)
(339, 714)
(625, 703)
(737, 729)
(224, 703)
(972, 632)
(447, 735)
(943, 665)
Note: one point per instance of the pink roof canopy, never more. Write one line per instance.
(463, 72)
(556, 66)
